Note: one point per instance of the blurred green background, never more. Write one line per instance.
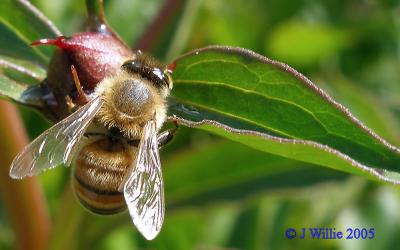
(217, 196)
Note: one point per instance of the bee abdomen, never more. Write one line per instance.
(99, 203)
(99, 171)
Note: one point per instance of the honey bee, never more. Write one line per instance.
(112, 143)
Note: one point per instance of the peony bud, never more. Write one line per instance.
(95, 55)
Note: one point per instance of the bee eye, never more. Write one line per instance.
(159, 77)
(133, 66)
(155, 75)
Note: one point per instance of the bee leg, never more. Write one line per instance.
(166, 136)
(81, 98)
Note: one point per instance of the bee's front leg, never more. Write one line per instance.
(166, 136)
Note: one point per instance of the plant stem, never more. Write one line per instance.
(96, 20)
(23, 199)
(96, 16)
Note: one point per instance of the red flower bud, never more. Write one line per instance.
(94, 55)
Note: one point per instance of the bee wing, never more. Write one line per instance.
(56, 145)
(144, 189)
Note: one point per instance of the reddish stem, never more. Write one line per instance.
(24, 201)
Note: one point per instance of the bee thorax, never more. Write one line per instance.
(129, 102)
(132, 98)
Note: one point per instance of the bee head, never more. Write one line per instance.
(149, 69)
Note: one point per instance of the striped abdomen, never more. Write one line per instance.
(99, 171)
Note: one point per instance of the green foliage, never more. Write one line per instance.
(220, 193)
(10, 89)
(301, 44)
(19, 27)
(240, 90)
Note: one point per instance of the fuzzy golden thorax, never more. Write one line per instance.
(129, 102)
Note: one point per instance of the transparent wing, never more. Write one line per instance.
(56, 145)
(144, 189)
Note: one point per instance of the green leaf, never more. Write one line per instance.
(21, 24)
(11, 89)
(366, 107)
(12, 45)
(269, 106)
(23, 67)
(22, 94)
(203, 176)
